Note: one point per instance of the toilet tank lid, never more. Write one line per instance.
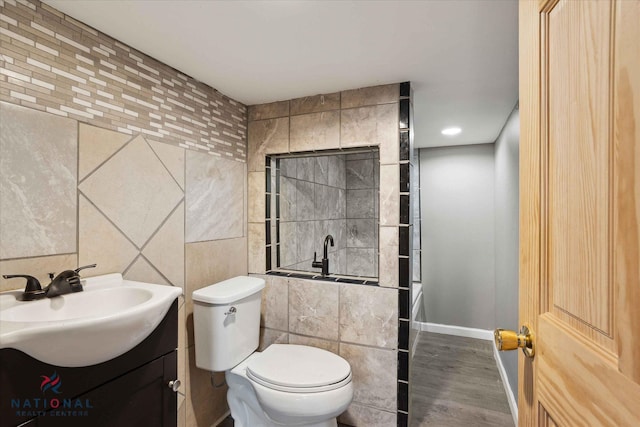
(229, 290)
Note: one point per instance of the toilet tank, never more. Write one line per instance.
(226, 319)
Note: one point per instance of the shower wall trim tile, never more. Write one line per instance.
(51, 62)
(405, 253)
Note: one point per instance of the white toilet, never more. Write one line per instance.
(286, 384)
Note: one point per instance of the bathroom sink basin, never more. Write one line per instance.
(107, 319)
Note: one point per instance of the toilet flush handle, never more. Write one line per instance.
(232, 310)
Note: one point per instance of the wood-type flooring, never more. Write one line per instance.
(455, 383)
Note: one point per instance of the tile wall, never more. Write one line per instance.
(51, 62)
(127, 203)
(415, 201)
(368, 117)
(363, 171)
(335, 194)
(109, 156)
(312, 204)
(355, 321)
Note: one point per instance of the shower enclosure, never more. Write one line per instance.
(323, 194)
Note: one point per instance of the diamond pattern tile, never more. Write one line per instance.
(101, 243)
(134, 190)
(165, 250)
(173, 159)
(142, 271)
(95, 145)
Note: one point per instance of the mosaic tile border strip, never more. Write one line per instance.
(404, 254)
(51, 62)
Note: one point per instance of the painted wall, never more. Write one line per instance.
(458, 222)
(112, 157)
(506, 238)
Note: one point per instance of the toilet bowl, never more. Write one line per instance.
(284, 385)
(293, 385)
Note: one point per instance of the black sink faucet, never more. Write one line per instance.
(324, 264)
(64, 283)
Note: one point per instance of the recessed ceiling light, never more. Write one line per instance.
(451, 131)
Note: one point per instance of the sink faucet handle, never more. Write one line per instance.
(32, 291)
(77, 270)
(33, 284)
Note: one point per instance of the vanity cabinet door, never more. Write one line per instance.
(140, 398)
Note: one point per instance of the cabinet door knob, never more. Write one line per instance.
(174, 385)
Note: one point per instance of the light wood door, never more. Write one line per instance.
(580, 212)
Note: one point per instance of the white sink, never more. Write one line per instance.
(110, 317)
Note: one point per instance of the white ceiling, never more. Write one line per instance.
(461, 56)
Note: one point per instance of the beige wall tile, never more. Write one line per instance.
(388, 135)
(214, 198)
(313, 308)
(389, 195)
(142, 271)
(205, 404)
(266, 137)
(37, 267)
(373, 95)
(358, 127)
(256, 197)
(271, 336)
(182, 412)
(361, 415)
(257, 249)
(374, 375)
(101, 243)
(332, 346)
(316, 103)
(95, 145)
(38, 183)
(369, 315)
(388, 261)
(375, 125)
(134, 190)
(165, 250)
(269, 111)
(315, 131)
(275, 306)
(211, 262)
(173, 158)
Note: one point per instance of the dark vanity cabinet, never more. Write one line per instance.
(131, 390)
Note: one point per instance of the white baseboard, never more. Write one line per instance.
(460, 331)
(513, 405)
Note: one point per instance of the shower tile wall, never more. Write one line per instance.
(362, 171)
(360, 323)
(129, 159)
(415, 202)
(336, 195)
(312, 205)
(371, 333)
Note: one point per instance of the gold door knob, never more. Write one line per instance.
(511, 340)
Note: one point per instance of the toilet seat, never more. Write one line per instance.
(298, 369)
